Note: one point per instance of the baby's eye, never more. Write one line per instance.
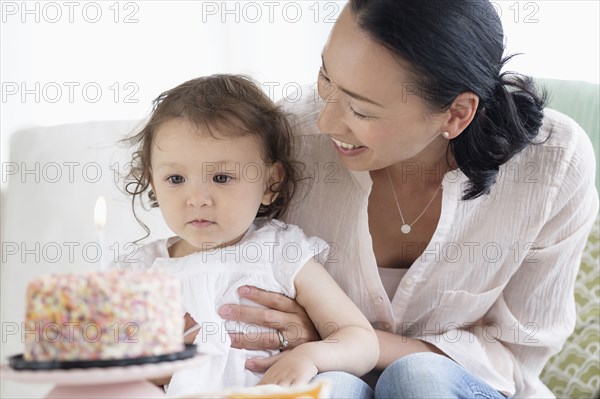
(176, 179)
(221, 179)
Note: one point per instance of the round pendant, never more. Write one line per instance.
(405, 229)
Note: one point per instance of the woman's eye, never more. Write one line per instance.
(221, 179)
(356, 114)
(175, 179)
(322, 76)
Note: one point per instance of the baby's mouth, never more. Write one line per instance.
(201, 223)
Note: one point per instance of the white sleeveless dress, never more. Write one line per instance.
(269, 256)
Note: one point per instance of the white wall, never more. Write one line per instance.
(150, 46)
(557, 39)
(153, 45)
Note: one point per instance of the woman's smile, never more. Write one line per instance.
(348, 149)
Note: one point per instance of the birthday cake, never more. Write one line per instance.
(103, 316)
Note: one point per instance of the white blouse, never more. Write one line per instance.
(390, 278)
(494, 287)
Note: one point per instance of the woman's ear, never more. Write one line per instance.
(275, 175)
(462, 111)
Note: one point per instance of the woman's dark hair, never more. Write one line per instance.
(457, 46)
(236, 106)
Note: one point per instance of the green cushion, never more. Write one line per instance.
(580, 101)
(575, 371)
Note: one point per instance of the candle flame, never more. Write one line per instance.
(100, 213)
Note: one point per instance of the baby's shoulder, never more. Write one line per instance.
(287, 241)
(277, 230)
(141, 257)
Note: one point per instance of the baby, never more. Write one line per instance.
(215, 156)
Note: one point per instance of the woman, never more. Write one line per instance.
(457, 206)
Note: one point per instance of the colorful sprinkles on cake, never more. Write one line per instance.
(101, 316)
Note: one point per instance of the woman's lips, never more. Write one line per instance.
(347, 149)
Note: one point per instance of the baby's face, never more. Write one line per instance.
(208, 189)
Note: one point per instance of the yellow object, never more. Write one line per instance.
(315, 390)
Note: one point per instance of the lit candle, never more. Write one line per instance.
(100, 221)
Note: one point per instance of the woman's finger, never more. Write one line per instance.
(190, 329)
(294, 329)
(261, 365)
(278, 312)
(286, 338)
(254, 315)
(271, 300)
(188, 321)
(255, 341)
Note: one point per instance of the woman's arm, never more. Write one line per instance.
(349, 342)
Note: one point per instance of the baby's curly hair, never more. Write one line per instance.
(234, 102)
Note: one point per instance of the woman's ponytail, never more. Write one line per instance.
(506, 123)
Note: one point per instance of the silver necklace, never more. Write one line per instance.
(406, 228)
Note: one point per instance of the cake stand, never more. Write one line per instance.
(124, 382)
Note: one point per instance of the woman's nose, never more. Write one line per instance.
(330, 120)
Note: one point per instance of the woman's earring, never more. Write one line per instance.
(446, 135)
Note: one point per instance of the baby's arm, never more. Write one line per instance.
(349, 342)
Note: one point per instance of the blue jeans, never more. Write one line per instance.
(420, 375)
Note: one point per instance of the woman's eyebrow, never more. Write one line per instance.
(348, 92)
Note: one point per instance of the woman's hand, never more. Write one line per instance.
(281, 313)
(189, 323)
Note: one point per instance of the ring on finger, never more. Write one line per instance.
(283, 342)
